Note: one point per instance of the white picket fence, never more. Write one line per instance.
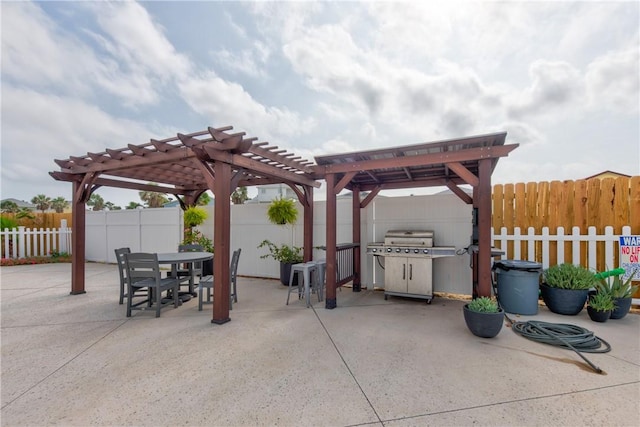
(24, 242)
(591, 238)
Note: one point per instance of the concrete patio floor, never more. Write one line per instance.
(78, 360)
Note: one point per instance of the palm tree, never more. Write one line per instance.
(239, 196)
(96, 201)
(204, 199)
(59, 204)
(133, 205)
(153, 199)
(42, 202)
(9, 206)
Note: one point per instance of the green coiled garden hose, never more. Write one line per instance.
(563, 335)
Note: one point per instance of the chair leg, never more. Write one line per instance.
(290, 284)
(200, 291)
(176, 295)
(129, 305)
(158, 302)
(121, 293)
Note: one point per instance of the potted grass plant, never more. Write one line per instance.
(600, 306)
(565, 288)
(483, 317)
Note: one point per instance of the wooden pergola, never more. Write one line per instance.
(217, 160)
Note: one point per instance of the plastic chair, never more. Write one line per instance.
(143, 271)
(191, 270)
(122, 267)
(206, 283)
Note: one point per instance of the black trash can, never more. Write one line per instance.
(518, 285)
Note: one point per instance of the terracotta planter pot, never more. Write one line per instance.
(564, 301)
(483, 325)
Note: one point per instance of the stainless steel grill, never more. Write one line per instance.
(408, 258)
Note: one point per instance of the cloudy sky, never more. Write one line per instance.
(562, 78)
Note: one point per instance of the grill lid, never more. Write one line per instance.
(409, 237)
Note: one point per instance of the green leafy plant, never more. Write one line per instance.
(569, 276)
(602, 301)
(616, 286)
(194, 216)
(483, 305)
(283, 253)
(282, 211)
(195, 237)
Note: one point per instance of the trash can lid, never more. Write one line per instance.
(515, 264)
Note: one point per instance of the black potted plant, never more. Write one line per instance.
(621, 291)
(483, 317)
(565, 288)
(285, 254)
(600, 306)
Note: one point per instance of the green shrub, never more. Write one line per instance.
(483, 305)
(9, 223)
(283, 253)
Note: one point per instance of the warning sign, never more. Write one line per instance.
(630, 256)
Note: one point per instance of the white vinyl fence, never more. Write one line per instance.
(24, 242)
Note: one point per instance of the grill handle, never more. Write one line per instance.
(410, 271)
(404, 271)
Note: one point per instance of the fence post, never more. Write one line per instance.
(608, 248)
(517, 242)
(575, 249)
(560, 245)
(531, 244)
(545, 247)
(63, 237)
(21, 240)
(591, 253)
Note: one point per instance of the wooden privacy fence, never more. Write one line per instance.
(25, 242)
(42, 220)
(596, 203)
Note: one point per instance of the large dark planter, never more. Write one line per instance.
(484, 325)
(598, 316)
(285, 272)
(623, 305)
(564, 301)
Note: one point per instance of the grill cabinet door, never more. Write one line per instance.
(419, 279)
(395, 274)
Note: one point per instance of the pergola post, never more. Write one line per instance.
(355, 220)
(78, 239)
(482, 199)
(308, 223)
(330, 300)
(221, 242)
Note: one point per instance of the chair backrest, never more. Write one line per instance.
(192, 247)
(233, 268)
(122, 265)
(142, 265)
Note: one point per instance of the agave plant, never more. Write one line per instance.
(616, 286)
(569, 276)
(602, 302)
(483, 305)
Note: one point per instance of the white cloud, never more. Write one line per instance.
(613, 81)
(556, 86)
(226, 103)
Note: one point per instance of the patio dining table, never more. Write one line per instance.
(176, 258)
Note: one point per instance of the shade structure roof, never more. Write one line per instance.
(178, 165)
(438, 163)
